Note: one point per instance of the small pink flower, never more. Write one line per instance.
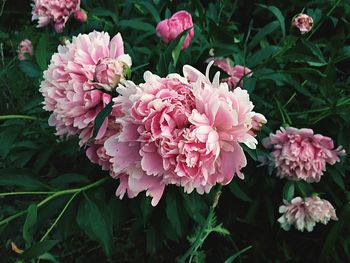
(305, 213)
(110, 71)
(257, 123)
(236, 73)
(68, 86)
(303, 23)
(169, 29)
(80, 15)
(299, 154)
(25, 47)
(56, 12)
(182, 130)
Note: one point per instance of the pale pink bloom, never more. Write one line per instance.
(55, 12)
(299, 154)
(182, 130)
(110, 71)
(235, 73)
(25, 47)
(80, 15)
(68, 86)
(257, 123)
(305, 213)
(303, 23)
(169, 29)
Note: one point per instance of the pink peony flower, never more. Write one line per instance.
(25, 47)
(236, 73)
(299, 154)
(80, 15)
(179, 130)
(303, 23)
(56, 12)
(305, 213)
(68, 86)
(169, 29)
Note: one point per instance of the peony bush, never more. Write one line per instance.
(161, 131)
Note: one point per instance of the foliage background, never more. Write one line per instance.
(301, 81)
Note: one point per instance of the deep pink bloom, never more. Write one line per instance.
(299, 154)
(305, 213)
(180, 130)
(80, 15)
(56, 12)
(303, 23)
(25, 47)
(69, 89)
(235, 73)
(169, 29)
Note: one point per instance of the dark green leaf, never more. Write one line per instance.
(172, 212)
(236, 255)
(279, 16)
(29, 223)
(288, 190)
(238, 192)
(30, 69)
(100, 118)
(39, 249)
(41, 52)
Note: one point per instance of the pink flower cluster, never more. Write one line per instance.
(169, 29)
(56, 12)
(299, 154)
(305, 213)
(235, 73)
(182, 130)
(70, 89)
(25, 47)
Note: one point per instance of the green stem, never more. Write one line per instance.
(54, 195)
(328, 14)
(15, 116)
(59, 217)
(26, 193)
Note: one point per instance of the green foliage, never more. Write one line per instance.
(58, 207)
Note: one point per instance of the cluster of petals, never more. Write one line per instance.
(181, 130)
(69, 86)
(303, 23)
(299, 154)
(235, 73)
(169, 29)
(25, 47)
(305, 213)
(55, 12)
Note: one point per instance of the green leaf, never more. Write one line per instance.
(172, 212)
(288, 190)
(22, 178)
(92, 221)
(100, 118)
(137, 25)
(7, 139)
(29, 223)
(151, 9)
(30, 69)
(38, 249)
(261, 55)
(274, 10)
(238, 192)
(41, 52)
(235, 256)
(177, 50)
(266, 30)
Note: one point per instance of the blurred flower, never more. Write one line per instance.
(56, 12)
(299, 154)
(80, 15)
(68, 86)
(110, 71)
(25, 47)
(257, 123)
(182, 130)
(169, 29)
(305, 213)
(303, 23)
(235, 73)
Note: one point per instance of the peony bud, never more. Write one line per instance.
(80, 15)
(25, 47)
(169, 29)
(109, 71)
(303, 23)
(258, 121)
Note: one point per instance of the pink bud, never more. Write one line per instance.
(169, 29)
(303, 23)
(25, 47)
(258, 121)
(80, 15)
(109, 71)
